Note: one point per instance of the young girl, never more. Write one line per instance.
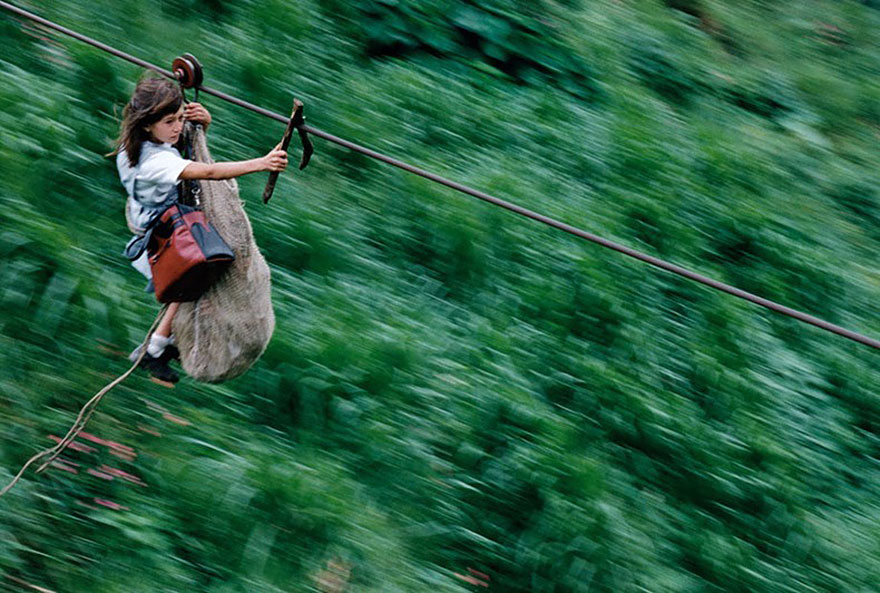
(151, 168)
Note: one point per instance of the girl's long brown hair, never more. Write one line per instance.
(153, 99)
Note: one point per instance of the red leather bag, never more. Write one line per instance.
(186, 254)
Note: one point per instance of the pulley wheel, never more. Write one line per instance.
(188, 71)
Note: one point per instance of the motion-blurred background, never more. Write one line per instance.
(457, 399)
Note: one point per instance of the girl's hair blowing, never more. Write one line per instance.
(153, 99)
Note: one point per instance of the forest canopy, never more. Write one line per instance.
(456, 398)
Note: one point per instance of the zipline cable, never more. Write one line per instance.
(644, 257)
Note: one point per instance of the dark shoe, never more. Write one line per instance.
(158, 367)
(171, 353)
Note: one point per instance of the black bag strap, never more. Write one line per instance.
(138, 244)
(189, 191)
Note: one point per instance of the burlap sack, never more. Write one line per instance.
(224, 332)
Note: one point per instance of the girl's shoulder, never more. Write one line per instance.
(158, 156)
(153, 149)
(122, 163)
(161, 164)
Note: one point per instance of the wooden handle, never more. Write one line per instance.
(285, 142)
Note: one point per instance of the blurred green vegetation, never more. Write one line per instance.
(454, 396)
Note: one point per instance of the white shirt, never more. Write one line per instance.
(152, 183)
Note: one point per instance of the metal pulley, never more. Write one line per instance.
(187, 70)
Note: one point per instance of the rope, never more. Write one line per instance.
(582, 234)
(84, 415)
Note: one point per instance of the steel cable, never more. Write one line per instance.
(654, 261)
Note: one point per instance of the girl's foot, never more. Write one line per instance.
(158, 367)
(170, 353)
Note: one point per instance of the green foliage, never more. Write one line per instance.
(660, 70)
(454, 396)
(519, 39)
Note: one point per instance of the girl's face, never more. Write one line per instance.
(168, 128)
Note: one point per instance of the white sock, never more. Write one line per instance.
(157, 345)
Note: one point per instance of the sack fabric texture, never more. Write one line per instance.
(226, 330)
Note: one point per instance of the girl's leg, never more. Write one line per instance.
(161, 337)
(164, 327)
(156, 361)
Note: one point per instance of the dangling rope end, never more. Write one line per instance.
(84, 414)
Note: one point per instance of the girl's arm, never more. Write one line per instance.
(276, 160)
